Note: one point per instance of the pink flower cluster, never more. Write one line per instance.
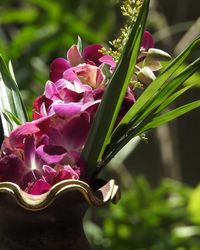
(45, 151)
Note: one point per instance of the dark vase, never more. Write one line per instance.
(53, 220)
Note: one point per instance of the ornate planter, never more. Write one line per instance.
(52, 220)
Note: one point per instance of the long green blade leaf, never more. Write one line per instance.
(171, 115)
(169, 88)
(162, 97)
(155, 85)
(4, 104)
(155, 122)
(172, 98)
(11, 117)
(161, 107)
(21, 112)
(113, 97)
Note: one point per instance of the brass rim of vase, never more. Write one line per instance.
(108, 192)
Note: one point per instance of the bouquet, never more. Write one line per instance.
(94, 103)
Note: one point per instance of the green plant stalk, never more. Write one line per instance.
(110, 105)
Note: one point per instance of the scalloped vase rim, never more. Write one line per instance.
(110, 192)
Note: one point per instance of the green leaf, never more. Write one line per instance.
(11, 117)
(152, 89)
(172, 98)
(5, 95)
(171, 115)
(79, 44)
(165, 92)
(157, 101)
(108, 110)
(10, 97)
(150, 124)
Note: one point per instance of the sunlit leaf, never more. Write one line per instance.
(113, 97)
(10, 100)
(79, 44)
(171, 115)
(168, 89)
(155, 85)
(153, 100)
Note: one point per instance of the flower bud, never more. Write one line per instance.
(157, 55)
(146, 76)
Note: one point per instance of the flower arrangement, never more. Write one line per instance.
(95, 102)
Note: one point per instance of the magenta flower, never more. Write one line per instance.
(91, 55)
(39, 154)
(45, 151)
(40, 186)
(12, 168)
(85, 74)
(147, 41)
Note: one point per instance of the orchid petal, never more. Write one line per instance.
(63, 84)
(71, 92)
(81, 88)
(91, 53)
(147, 41)
(51, 90)
(65, 173)
(49, 174)
(90, 107)
(57, 67)
(99, 78)
(66, 90)
(43, 124)
(98, 93)
(74, 57)
(108, 60)
(20, 133)
(89, 74)
(29, 152)
(30, 177)
(51, 154)
(72, 96)
(76, 130)
(39, 187)
(40, 100)
(53, 137)
(11, 168)
(66, 109)
(69, 75)
(36, 115)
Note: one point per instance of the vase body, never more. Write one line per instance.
(54, 222)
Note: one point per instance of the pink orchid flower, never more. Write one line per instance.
(90, 55)
(40, 153)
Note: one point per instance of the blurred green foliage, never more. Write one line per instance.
(33, 32)
(150, 219)
(194, 205)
